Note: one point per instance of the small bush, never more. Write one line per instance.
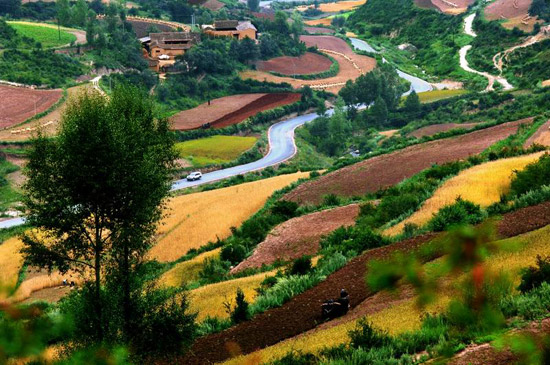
(240, 314)
(534, 176)
(366, 337)
(461, 212)
(285, 209)
(214, 270)
(296, 358)
(331, 200)
(301, 266)
(534, 276)
(440, 172)
(531, 305)
(234, 253)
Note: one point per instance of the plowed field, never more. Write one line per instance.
(452, 7)
(313, 30)
(230, 110)
(302, 312)
(542, 136)
(515, 13)
(430, 130)
(327, 42)
(309, 63)
(19, 104)
(299, 236)
(389, 169)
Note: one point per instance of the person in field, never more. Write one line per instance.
(336, 308)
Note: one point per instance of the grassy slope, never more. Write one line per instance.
(49, 37)
(215, 149)
(8, 195)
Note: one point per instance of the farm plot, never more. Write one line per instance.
(195, 219)
(19, 103)
(142, 28)
(230, 110)
(514, 12)
(430, 130)
(208, 301)
(319, 30)
(335, 7)
(187, 271)
(215, 149)
(435, 95)
(11, 262)
(389, 169)
(452, 7)
(309, 63)
(48, 124)
(542, 136)
(47, 34)
(299, 236)
(301, 314)
(483, 184)
(327, 42)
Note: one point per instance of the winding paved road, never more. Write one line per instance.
(281, 143)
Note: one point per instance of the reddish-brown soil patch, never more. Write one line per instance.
(389, 169)
(50, 295)
(230, 110)
(299, 236)
(327, 42)
(19, 103)
(505, 9)
(317, 30)
(541, 136)
(430, 130)
(213, 5)
(302, 312)
(446, 7)
(425, 4)
(309, 63)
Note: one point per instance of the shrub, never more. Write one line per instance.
(285, 209)
(366, 337)
(531, 305)
(534, 176)
(440, 172)
(461, 212)
(392, 207)
(301, 266)
(331, 200)
(214, 270)
(240, 314)
(296, 358)
(234, 253)
(534, 276)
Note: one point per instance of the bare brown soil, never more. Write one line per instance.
(213, 5)
(230, 110)
(430, 130)
(299, 236)
(447, 7)
(425, 4)
(302, 313)
(314, 30)
(542, 136)
(48, 124)
(19, 104)
(141, 28)
(516, 16)
(389, 169)
(50, 295)
(327, 42)
(323, 21)
(309, 63)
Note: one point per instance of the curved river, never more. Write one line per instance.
(281, 142)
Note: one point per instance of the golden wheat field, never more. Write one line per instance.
(208, 300)
(195, 219)
(482, 184)
(11, 262)
(187, 271)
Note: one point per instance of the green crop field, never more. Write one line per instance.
(46, 34)
(435, 95)
(214, 150)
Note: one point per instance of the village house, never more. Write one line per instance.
(163, 48)
(231, 28)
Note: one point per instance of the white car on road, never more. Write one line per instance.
(194, 176)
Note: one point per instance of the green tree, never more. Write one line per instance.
(253, 5)
(297, 26)
(379, 111)
(412, 103)
(79, 13)
(10, 7)
(63, 12)
(95, 193)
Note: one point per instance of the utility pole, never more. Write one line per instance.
(58, 28)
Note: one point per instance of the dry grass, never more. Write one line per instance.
(336, 6)
(546, 83)
(187, 271)
(195, 219)
(482, 184)
(36, 283)
(11, 262)
(208, 300)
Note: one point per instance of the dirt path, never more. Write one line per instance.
(301, 313)
(500, 58)
(468, 30)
